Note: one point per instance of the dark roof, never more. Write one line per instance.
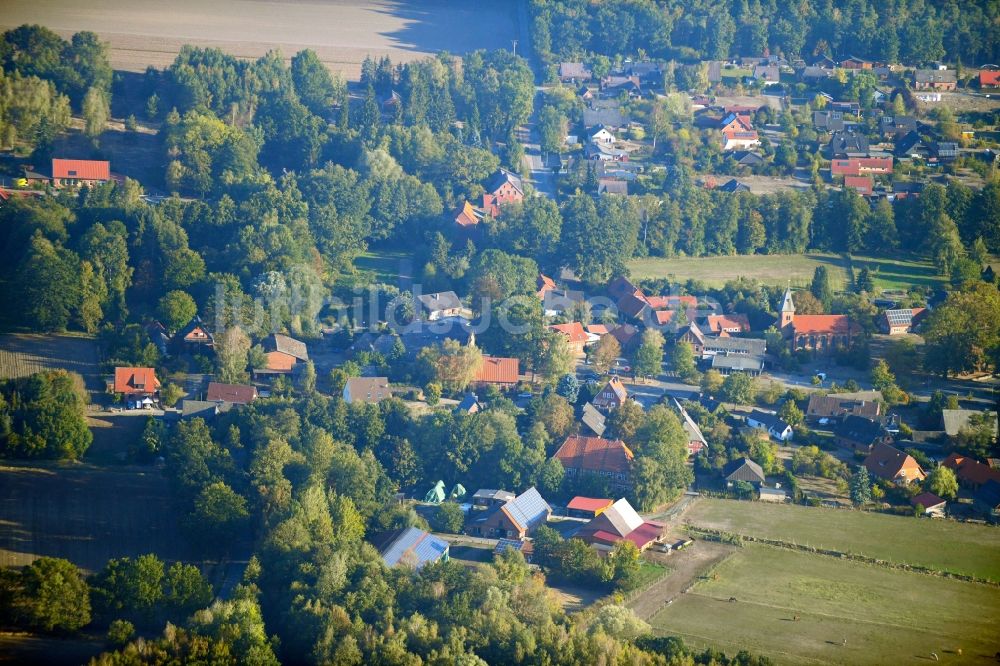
(501, 177)
(737, 362)
(743, 469)
(734, 185)
(859, 429)
(989, 493)
(770, 421)
(908, 144)
(897, 124)
(747, 158)
(829, 120)
(470, 404)
(610, 117)
(445, 300)
(731, 345)
(927, 500)
(935, 76)
(239, 394)
(848, 143)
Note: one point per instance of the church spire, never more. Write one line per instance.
(787, 309)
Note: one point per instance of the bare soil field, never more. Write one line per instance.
(964, 102)
(25, 354)
(85, 514)
(761, 184)
(687, 566)
(342, 32)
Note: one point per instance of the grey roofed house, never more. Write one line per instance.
(768, 73)
(931, 76)
(746, 346)
(848, 144)
(815, 72)
(205, 409)
(835, 406)
(729, 363)
(946, 150)
(593, 420)
(830, 121)
(441, 301)
(953, 420)
(560, 300)
(501, 177)
(746, 158)
(743, 469)
(896, 125)
(860, 432)
(286, 345)
(911, 145)
(609, 117)
(732, 186)
(469, 404)
(574, 71)
(774, 424)
(491, 497)
(612, 186)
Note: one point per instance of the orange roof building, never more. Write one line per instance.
(816, 332)
(576, 336)
(498, 371)
(611, 459)
(545, 284)
(467, 216)
(80, 172)
(612, 396)
(135, 382)
(889, 463)
(969, 471)
(727, 323)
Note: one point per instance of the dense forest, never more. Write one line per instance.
(910, 31)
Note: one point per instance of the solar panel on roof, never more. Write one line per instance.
(528, 508)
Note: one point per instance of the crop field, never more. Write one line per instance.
(799, 608)
(972, 550)
(768, 269)
(25, 354)
(85, 514)
(342, 32)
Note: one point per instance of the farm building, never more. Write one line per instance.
(487, 498)
(411, 547)
(825, 408)
(282, 354)
(620, 522)
(743, 469)
(776, 495)
(970, 472)
(587, 507)
(74, 173)
(900, 322)
(515, 519)
(932, 505)
(610, 459)
(953, 420)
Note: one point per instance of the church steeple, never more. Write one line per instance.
(787, 309)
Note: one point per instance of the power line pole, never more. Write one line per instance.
(514, 41)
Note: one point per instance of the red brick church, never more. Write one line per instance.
(821, 333)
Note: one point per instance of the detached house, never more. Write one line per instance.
(845, 144)
(282, 354)
(743, 469)
(504, 187)
(610, 459)
(442, 305)
(194, 337)
(497, 371)
(824, 408)
(899, 322)
(576, 336)
(75, 173)
(137, 384)
(738, 133)
(861, 434)
(728, 323)
(935, 79)
(612, 396)
(366, 389)
(235, 394)
(891, 464)
(515, 519)
(772, 424)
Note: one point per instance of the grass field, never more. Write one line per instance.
(85, 514)
(885, 616)
(782, 269)
(382, 265)
(341, 32)
(25, 354)
(940, 545)
(769, 269)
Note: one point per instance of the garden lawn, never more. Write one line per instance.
(847, 612)
(941, 545)
(773, 269)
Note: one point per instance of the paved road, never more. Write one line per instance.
(541, 177)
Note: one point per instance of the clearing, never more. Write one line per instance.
(942, 545)
(801, 608)
(686, 566)
(85, 514)
(24, 354)
(759, 184)
(342, 32)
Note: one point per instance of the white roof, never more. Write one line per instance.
(623, 516)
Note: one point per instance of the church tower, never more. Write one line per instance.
(787, 310)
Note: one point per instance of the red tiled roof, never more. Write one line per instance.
(969, 470)
(888, 462)
(594, 454)
(989, 77)
(589, 504)
(661, 302)
(136, 380)
(624, 334)
(81, 169)
(862, 184)
(839, 324)
(664, 317)
(544, 284)
(719, 323)
(466, 216)
(498, 370)
(239, 394)
(573, 331)
(855, 165)
(598, 329)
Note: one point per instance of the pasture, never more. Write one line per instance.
(342, 32)
(972, 550)
(847, 612)
(85, 514)
(25, 354)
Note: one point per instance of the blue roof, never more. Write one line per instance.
(528, 509)
(414, 547)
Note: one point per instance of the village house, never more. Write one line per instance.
(366, 389)
(825, 408)
(989, 78)
(821, 333)
(610, 459)
(738, 133)
(863, 185)
(696, 441)
(729, 323)
(443, 305)
(194, 337)
(514, 519)
(574, 72)
(469, 405)
(900, 322)
(612, 396)
(746, 158)
(235, 394)
(410, 547)
(497, 371)
(891, 464)
(743, 469)
(733, 186)
(202, 409)
(593, 421)
(282, 353)
(935, 79)
(587, 507)
(860, 434)
(601, 134)
(612, 186)
(896, 126)
(970, 472)
(576, 337)
(76, 173)
(467, 218)
(848, 144)
(620, 522)
(912, 146)
(772, 424)
(137, 385)
(544, 284)
(860, 166)
(504, 187)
